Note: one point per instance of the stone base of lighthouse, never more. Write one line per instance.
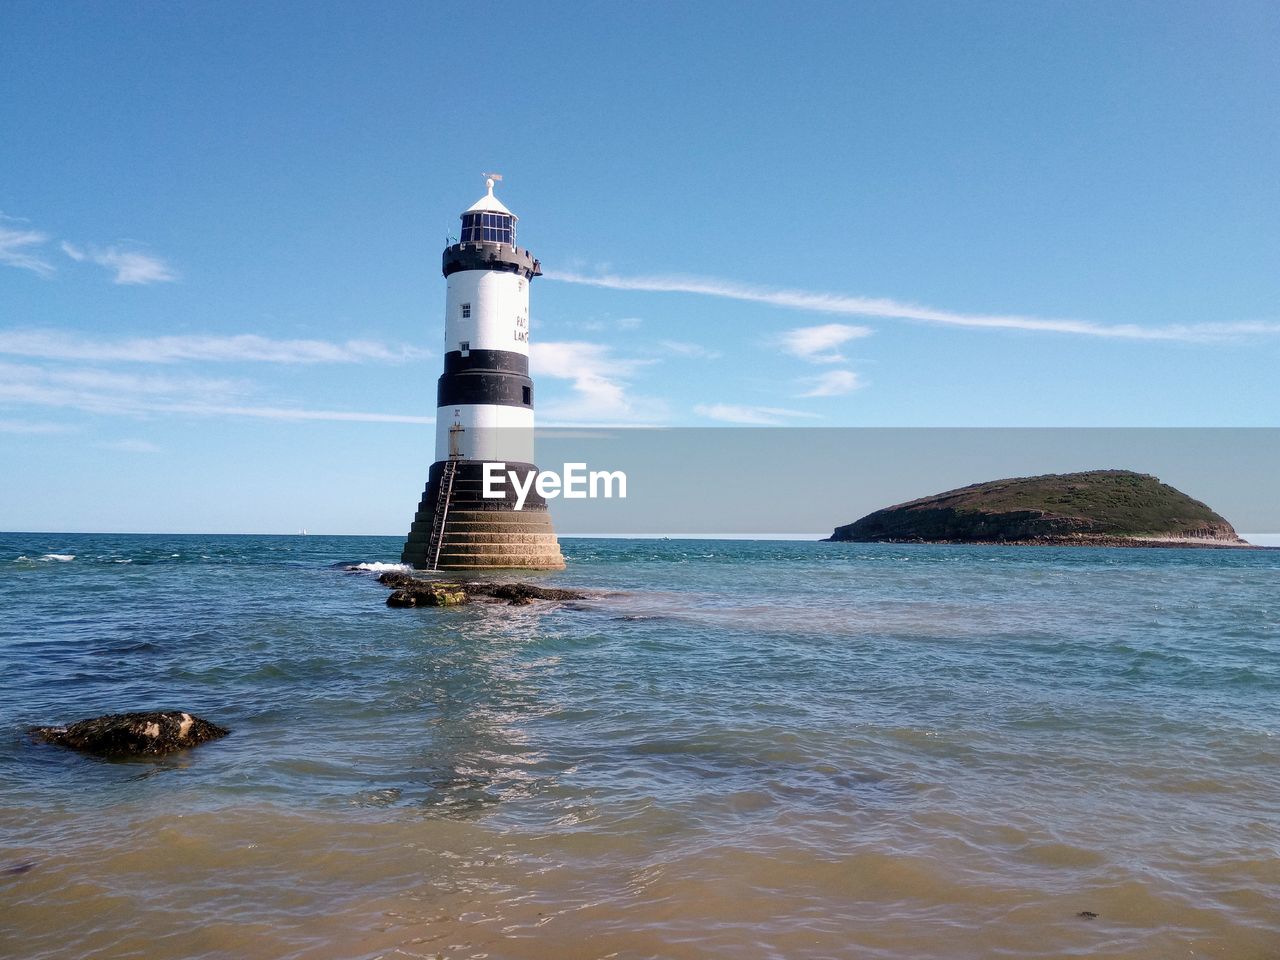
(478, 533)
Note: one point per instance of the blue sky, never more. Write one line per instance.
(220, 297)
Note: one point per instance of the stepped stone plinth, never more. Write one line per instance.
(477, 533)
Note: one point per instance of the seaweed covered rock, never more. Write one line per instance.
(152, 734)
(424, 593)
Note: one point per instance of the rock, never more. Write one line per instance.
(411, 591)
(519, 594)
(1112, 508)
(427, 593)
(133, 734)
(397, 578)
(1087, 915)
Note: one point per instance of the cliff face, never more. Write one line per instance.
(1098, 506)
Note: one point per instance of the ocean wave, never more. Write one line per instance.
(59, 557)
(376, 566)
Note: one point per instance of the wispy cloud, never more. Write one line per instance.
(598, 325)
(599, 380)
(293, 413)
(128, 383)
(897, 310)
(833, 383)
(33, 427)
(105, 392)
(818, 344)
(59, 345)
(18, 248)
(130, 446)
(756, 416)
(697, 351)
(130, 266)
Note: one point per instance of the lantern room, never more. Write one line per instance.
(488, 221)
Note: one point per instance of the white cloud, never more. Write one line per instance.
(599, 379)
(758, 416)
(293, 413)
(577, 433)
(58, 345)
(817, 344)
(17, 249)
(692, 350)
(131, 266)
(130, 446)
(898, 310)
(600, 325)
(33, 427)
(833, 383)
(103, 392)
(127, 383)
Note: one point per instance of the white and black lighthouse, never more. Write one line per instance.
(484, 408)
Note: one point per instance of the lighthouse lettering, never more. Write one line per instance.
(521, 334)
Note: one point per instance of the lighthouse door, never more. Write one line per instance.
(455, 438)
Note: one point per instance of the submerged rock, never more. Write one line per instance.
(411, 591)
(133, 734)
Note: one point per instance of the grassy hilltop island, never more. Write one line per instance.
(1109, 508)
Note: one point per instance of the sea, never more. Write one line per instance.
(737, 749)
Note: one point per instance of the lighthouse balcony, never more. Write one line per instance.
(490, 255)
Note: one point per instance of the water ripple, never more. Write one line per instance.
(765, 749)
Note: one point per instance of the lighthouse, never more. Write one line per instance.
(484, 409)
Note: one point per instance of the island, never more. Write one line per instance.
(1109, 508)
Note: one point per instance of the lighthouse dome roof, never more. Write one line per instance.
(488, 204)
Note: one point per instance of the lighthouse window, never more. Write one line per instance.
(528, 395)
(491, 227)
(466, 311)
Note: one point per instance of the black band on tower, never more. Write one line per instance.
(485, 387)
(503, 361)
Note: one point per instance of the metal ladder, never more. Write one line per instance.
(443, 496)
